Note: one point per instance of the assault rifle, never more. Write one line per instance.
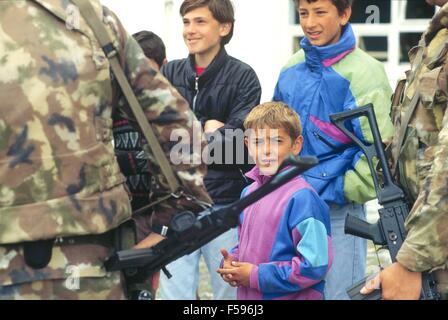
(389, 231)
(189, 232)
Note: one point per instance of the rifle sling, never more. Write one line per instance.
(111, 52)
(404, 129)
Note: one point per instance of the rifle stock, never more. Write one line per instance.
(389, 231)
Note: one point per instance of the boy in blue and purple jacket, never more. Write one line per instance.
(284, 249)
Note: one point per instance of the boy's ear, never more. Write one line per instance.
(297, 146)
(345, 17)
(246, 141)
(225, 29)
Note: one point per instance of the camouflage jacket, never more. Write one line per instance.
(423, 158)
(58, 172)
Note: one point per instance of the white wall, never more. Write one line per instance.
(261, 36)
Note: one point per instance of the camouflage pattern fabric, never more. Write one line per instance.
(90, 289)
(423, 160)
(74, 272)
(58, 172)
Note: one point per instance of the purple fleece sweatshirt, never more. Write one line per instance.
(287, 236)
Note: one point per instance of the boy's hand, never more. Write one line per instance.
(238, 274)
(226, 265)
(227, 259)
(212, 125)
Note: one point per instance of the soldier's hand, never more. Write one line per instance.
(397, 283)
(149, 241)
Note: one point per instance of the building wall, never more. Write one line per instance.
(266, 32)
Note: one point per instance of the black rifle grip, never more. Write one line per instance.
(355, 294)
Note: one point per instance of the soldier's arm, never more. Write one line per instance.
(167, 113)
(426, 245)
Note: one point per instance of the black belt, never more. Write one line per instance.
(38, 253)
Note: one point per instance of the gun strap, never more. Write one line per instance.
(404, 129)
(407, 118)
(398, 94)
(95, 23)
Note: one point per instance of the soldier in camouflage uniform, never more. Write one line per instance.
(422, 166)
(59, 178)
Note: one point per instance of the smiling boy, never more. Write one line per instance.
(284, 249)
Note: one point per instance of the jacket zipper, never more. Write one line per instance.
(335, 150)
(196, 92)
(318, 136)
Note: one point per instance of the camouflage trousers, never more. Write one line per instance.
(74, 272)
(93, 288)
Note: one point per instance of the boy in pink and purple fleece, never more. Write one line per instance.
(284, 249)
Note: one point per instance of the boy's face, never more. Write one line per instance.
(269, 147)
(321, 22)
(202, 32)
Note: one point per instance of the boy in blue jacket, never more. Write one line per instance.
(330, 75)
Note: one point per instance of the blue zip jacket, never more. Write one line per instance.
(320, 81)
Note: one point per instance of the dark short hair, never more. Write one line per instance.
(222, 11)
(341, 5)
(152, 46)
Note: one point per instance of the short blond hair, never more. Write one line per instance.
(275, 115)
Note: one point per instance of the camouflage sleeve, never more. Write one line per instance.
(172, 120)
(426, 246)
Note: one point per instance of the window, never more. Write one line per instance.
(419, 10)
(375, 46)
(407, 42)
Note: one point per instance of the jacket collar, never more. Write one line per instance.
(256, 175)
(319, 57)
(209, 73)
